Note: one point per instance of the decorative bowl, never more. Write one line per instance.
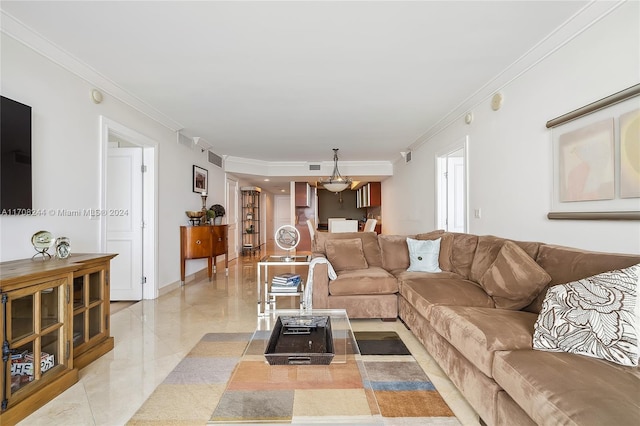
(194, 214)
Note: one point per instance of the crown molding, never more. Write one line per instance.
(17, 30)
(582, 20)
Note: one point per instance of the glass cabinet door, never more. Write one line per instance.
(35, 333)
(88, 307)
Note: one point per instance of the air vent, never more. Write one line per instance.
(215, 159)
(314, 167)
(185, 140)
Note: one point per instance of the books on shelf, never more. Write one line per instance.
(284, 289)
(288, 282)
(286, 279)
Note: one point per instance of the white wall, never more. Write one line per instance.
(66, 161)
(510, 153)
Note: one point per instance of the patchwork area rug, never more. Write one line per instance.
(191, 391)
(214, 384)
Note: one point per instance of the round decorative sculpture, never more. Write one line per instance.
(42, 241)
(287, 238)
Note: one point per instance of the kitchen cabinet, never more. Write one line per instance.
(303, 194)
(369, 195)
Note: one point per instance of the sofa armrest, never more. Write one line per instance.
(321, 286)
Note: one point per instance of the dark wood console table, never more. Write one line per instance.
(198, 242)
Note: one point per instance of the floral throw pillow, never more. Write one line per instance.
(595, 316)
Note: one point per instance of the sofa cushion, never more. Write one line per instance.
(478, 332)
(487, 251)
(394, 251)
(403, 274)
(345, 255)
(514, 279)
(423, 255)
(369, 244)
(372, 280)
(460, 250)
(566, 264)
(595, 316)
(561, 388)
(431, 235)
(424, 294)
(446, 245)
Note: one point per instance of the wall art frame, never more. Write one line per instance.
(200, 179)
(596, 160)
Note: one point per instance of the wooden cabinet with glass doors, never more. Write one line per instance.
(37, 323)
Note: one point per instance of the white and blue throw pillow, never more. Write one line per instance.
(423, 255)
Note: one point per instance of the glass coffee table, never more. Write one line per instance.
(340, 392)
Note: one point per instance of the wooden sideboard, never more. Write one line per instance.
(58, 308)
(203, 241)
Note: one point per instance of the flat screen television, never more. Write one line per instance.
(15, 157)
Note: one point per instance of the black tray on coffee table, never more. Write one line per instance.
(301, 340)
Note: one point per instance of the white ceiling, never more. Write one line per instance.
(288, 81)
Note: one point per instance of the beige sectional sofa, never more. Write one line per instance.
(477, 319)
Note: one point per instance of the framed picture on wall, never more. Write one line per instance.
(200, 179)
(596, 160)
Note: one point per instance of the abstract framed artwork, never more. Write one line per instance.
(630, 154)
(200, 179)
(596, 160)
(586, 163)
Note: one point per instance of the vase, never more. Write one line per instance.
(217, 220)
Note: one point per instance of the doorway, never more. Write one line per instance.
(128, 199)
(451, 181)
(281, 213)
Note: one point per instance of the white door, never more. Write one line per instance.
(452, 195)
(281, 212)
(455, 194)
(233, 196)
(124, 222)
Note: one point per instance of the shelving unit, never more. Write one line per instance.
(250, 219)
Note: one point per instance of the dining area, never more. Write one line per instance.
(320, 210)
(341, 224)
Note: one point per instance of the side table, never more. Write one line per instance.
(267, 298)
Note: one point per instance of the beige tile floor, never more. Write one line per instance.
(152, 336)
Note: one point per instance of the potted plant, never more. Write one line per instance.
(218, 213)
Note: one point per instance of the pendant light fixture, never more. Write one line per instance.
(336, 183)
